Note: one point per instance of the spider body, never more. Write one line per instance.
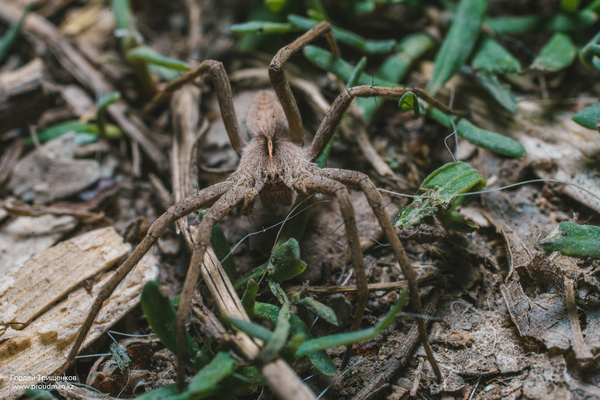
(271, 163)
(273, 167)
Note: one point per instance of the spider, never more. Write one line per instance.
(274, 167)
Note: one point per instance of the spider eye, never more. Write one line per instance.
(268, 176)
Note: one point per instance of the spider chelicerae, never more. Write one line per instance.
(274, 167)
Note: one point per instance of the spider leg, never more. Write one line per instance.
(201, 242)
(355, 178)
(224, 94)
(178, 210)
(323, 184)
(343, 101)
(281, 85)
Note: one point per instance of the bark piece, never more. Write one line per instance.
(24, 95)
(41, 173)
(26, 236)
(29, 288)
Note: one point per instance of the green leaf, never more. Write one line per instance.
(489, 140)
(50, 133)
(150, 56)
(498, 90)
(169, 392)
(119, 354)
(458, 43)
(264, 27)
(395, 67)
(221, 248)
(319, 359)
(522, 25)
(343, 339)
(589, 117)
(320, 310)
(275, 6)
(285, 262)
(347, 37)
(248, 299)
(274, 345)
(409, 101)
(569, 5)
(103, 104)
(7, 40)
(39, 394)
(557, 54)
(205, 383)
(440, 192)
(573, 240)
(162, 317)
(491, 57)
(590, 53)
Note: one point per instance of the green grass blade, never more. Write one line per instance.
(206, 382)
(343, 339)
(522, 25)
(347, 37)
(162, 317)
(558, 53)
(489, 140)
(498, 90)
(7, 40)
(458, 43)
(264, 27)
(150, 56)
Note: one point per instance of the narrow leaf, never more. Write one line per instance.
(490, 140)
(573, 240)
(458, 43)
(343, 339)
(7, 40)
(265, 27)
(206, 381)
(589, 116)
(491, 57)
(347, 37)
(221, 248)
(522, 25)
(149, 55)
(274, 345)
(320, 310)
(162, 317)
(557, 54)
(498, 90)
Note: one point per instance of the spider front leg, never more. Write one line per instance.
(179, 210)
(354, 178)
(201, 241)
(281, 85)
(323, 184)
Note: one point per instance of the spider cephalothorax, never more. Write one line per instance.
(271, 162)
(273, 166)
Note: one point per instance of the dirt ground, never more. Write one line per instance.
(504, 321)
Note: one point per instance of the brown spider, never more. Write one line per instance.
(274, 166)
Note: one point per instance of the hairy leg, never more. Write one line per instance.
(343, 101)
(355, 178)
(323, 184)
(223, 90)
(201, 242)
(281, 85)
(181, 209)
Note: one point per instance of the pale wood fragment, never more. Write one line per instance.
(42, 347)
(28, 288)
(23, 237)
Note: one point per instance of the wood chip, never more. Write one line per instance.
(29, 288)
(26, 236)
(42, 347)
